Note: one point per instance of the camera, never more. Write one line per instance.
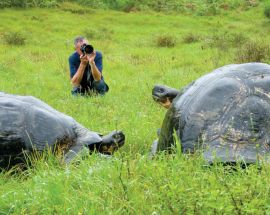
(87, 49)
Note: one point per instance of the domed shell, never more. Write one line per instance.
(27, 124)
(226, 113)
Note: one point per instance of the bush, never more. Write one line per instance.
(29, 3)
(191, 38)
(92, 3)
(225, 40)
(252, 3)
(165, 41)
(130, 6)
(238, 39)
(267, 11)
(199, 7)
(75, 8)
(252, 51)
(46, 3)
(14, 38)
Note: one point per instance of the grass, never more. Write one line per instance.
(128, 183)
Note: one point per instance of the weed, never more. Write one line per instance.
(165, 41)
(252, 3)
(14, 38)
(191, 38)
(36, 18)
(238, 39)
(225, 40)
(130, 7)
(252, 51)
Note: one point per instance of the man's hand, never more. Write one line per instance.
(95, 72)
(84, 59)
(91, 57)
(77, 78)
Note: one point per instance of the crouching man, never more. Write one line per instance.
(86, 69)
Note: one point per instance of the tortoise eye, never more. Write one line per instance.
(161, 90)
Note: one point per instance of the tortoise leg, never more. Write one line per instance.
(154, 148)
(164, 95)
(73, 152)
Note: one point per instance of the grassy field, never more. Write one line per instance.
(140, 49)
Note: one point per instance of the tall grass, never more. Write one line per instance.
(129, 182)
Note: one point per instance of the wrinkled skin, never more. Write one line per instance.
(225, 114)
(28, 124)
(165, 95)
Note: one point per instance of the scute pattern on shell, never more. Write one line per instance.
(225, 113)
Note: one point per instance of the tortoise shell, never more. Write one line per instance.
(225, 113)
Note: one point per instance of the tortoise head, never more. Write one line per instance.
(111, 142)
(164, 95)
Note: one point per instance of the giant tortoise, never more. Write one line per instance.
(225, 114)
(27, 124)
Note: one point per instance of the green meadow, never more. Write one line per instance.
(140, 49)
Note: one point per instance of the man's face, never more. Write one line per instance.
(79, 44)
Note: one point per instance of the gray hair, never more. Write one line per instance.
(78, 39)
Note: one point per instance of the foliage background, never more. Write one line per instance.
(200, 7)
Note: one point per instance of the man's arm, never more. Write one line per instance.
(95, 71)
(77, 77)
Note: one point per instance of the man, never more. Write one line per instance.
(86, 71)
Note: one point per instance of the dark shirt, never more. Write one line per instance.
(87, 80)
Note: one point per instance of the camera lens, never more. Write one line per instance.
(89, 49)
